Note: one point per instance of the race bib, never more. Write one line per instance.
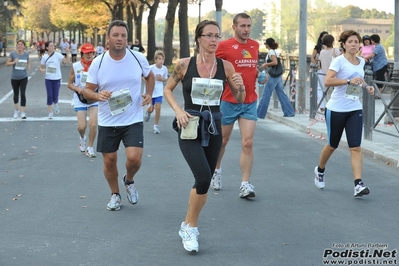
(120, 101)
(353, 92)
(51, 70)
(206, 91)
(21, 64)
(83, 78)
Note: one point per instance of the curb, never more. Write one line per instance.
(385, 156)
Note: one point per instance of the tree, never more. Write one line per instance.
(151, 29)
(168, 36)
(257, 23)
(351, 12)
(183, 29)
(322, 17)
(38, 16)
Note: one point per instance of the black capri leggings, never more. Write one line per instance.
(202, 160)
(19, 85)
(351, 121)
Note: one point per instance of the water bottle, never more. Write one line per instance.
(262, 76)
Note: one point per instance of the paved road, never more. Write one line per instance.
(53, 199)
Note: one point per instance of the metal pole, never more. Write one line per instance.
(292, 92)
(218, 5)
(396, 36)
(368, 108)
(5, 28)
(313, 91)
(303, 17)
(199, 11)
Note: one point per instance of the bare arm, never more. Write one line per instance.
(274, 62)
(179, 71)
(235, 81)
(313, 57)
(11, 63)
(149, 83)
(71, 86)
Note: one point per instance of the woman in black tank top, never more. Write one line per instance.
(203, 80)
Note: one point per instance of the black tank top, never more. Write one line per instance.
(191, 73)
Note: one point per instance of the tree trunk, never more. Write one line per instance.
(168, 36)
(183, 30)
(129, 15)
(138, 18)
(118, 11)
(151, 46)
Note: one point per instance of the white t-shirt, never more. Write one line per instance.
(80, 78)
(271, 52)
(52, 66)
(99, 50)
(117, 75)
(158, 88)
(64, 46)
(345, 70)
(74, 48)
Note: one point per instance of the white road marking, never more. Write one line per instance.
(40, 119)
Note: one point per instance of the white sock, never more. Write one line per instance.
(244, 182)
(218, 171)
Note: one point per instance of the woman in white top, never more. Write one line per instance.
(344, 109)
(51, 66)
(74, 51)
(77, 83)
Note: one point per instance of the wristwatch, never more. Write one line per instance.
(348, 81)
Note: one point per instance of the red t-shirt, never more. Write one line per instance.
(244, 57)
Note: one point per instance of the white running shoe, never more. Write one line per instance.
(56, 109)
(319, 179)
(82, 144)
(182, 228)
(90, 152)
(156, 129)
(147, 116)
(189, 236)
(361, 190)
(114, 203)
(16, 114)
(216, 181)
(23, 116)
(132, 194)
(50, 115)
(247, 190)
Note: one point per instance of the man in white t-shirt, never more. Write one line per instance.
(99, 49)
(64, 46)
(117, 75)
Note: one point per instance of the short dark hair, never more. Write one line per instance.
(375, 38)
(345, 35)
(328, 40)
(116, 23)
(240, 15)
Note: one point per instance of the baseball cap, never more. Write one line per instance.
(87, 48)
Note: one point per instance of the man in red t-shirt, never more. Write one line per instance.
(242, 52)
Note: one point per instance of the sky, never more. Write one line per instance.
(232, 6)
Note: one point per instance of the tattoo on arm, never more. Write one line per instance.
(176, 75)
